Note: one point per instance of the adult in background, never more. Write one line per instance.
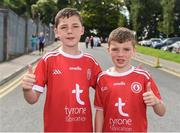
(87, 41)
(92, 41)
(34, 41)
(41, 42)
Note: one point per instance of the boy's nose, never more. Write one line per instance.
(69, 30)
(120, 53)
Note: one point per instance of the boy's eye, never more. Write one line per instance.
(114, 49)
(62, 27)
(76, 26)
(126, 49)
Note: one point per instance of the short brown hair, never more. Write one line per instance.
(67, 12)
(122, 35)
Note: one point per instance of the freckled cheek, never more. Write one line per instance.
(112, 55)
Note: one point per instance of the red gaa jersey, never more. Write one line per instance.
(68, 78)
(119, 96)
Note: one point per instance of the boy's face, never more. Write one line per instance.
(121, 54)
(69, 31)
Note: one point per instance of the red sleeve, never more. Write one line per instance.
(154, 87)
(41, 76)
(95, 72)
(98, 98)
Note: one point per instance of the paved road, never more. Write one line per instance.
(18, 116)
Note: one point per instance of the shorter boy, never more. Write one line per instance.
(123, 92)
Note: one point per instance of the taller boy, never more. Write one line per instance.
(68, 74)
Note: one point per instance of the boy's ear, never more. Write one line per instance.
(108, 49)
(82, 32)
(134, 51)
(55, 32)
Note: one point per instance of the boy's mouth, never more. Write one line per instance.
(70, 38)
(120, 61)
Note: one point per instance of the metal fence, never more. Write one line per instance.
(1, 36)
(16, 32)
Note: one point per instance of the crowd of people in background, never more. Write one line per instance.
(94, 41)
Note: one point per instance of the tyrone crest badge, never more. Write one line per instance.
(88, 74)
(136, 87)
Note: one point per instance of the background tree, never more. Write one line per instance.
(21, 7)
(100, 16)
(167, 24)
(144, 17)
(45, 9)
(177, 18)
(149, 18)
(134, 15)
(62, 4)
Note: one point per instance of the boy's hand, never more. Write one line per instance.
(28, 79)
(149, 98)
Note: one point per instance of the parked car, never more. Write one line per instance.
(155, 42)
(145, 43)
(174, 48)
(168, 42)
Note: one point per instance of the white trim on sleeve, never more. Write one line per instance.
(98, 108)
(38, 88)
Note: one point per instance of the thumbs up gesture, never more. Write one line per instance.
(28, 79)
(149, 98)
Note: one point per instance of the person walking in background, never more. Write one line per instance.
(34, 42)
(41, 42)
(68, 74)
(126, 90)
(92, 41)
(87, 41)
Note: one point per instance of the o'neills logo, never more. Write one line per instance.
(136, 87)
(88, 74)
(77, 68)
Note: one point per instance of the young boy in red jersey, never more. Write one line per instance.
(123, 92)
(68, 73)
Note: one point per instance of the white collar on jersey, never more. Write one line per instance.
(120, 74)
(70, 55)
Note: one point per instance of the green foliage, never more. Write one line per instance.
(100, 15)
(177, 18)
(149, 18)
(144, 17)
(45, 9)
(167, 25)
(62, 3)
(123, 21)
(134, 13)
(21, 7)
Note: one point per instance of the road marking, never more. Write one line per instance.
(10, 87)
(12, 84)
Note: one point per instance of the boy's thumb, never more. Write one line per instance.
(30, 69)
(148, 86)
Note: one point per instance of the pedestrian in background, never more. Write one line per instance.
(68, 74)
(92, 41)
(41, 42)
(126, 90)
(34, 42)
(87, 41)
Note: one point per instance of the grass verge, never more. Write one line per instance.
(158, 53)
